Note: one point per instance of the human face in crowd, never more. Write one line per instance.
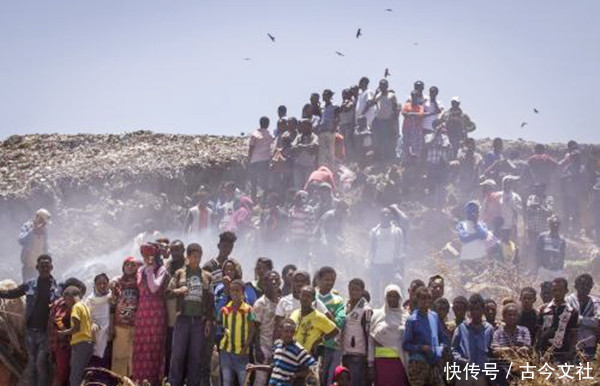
(225, 248)
(39, 222)
(69, 300)
(236, 293)
(289, 277)
(546, 293)
(194, 259)
(460, 309)
(281, 111)
(363, 84)
(386, 217)
(287, 333)
(129, 268)
(392, 298)
(177, 251)
(490, 311)
(355, 292)
(272, 283)
(527, 300)
(423, 302)
(584, 286)
(559, 291)
(44, 268)
(314, 99)
(229, 270)
(101, 285)
(148, 259)
(299, 282)
(307, 297)
(260, 270)
(473, 213)
(455, 104)
(476, 312)
(442, 310)
(510, 316)
(470, 144)
(326, 282)
(437, 288)
(383, 85)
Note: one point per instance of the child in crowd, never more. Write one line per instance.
(355, 342)
(98, 302)
(238, 334)
(80, 331)
(332, 353)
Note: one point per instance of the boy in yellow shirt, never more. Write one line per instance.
(81, 334)
(313, 325)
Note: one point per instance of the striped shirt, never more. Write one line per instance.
(288, 359)
(236, 327)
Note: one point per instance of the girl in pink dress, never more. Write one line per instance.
(150, 319)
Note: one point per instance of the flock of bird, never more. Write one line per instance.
(387, 72)
(339, 53)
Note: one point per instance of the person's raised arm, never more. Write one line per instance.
(156, 279)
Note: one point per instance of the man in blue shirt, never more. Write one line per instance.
(471, 344)
(39, 294)
(424, 342)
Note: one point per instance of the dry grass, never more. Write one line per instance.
(520, 359)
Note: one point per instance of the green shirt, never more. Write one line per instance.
(192, 301)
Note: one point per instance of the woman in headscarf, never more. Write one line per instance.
(150, 320)
(387, 329)
(98, 303)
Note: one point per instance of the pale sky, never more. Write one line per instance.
(177, 66)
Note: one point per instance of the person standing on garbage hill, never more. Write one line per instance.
(385, 254)
(34, 240)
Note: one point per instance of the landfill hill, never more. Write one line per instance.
(101, 187)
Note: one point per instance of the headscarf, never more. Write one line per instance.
(338, 373)
(148, 249)
(387, 323)
(130, 259)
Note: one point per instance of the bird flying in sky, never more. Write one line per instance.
(523, 124)
(271, 37)
(389, 10)
(387, 73)
(535, 110)
(339, 53)
(246, 59)
(358, 33)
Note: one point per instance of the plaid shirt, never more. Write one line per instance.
(519, 337)
(537, 212)
(59, 311)
(438, 148)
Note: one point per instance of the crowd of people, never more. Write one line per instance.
(171, 314)
(173, 317)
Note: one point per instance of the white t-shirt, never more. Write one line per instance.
(261, 139)
(361, 103)
(264, 313)
(288, 304)
(429, 107)
(388, 244)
